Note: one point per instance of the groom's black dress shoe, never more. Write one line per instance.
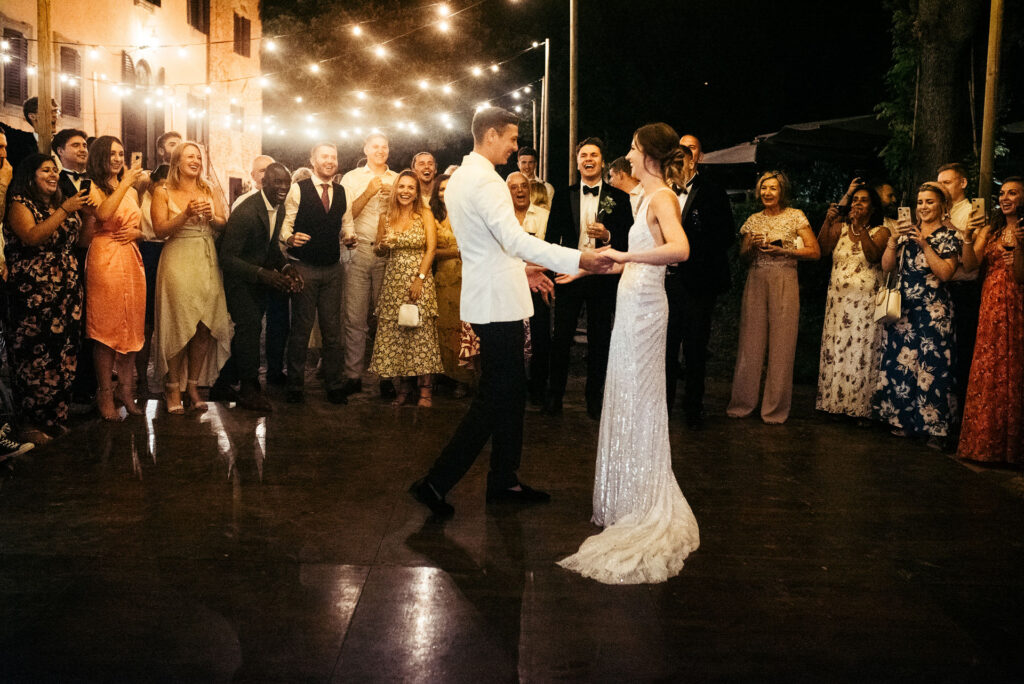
(425, 493)
(525, 494)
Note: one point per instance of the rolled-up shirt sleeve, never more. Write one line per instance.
(291, 209)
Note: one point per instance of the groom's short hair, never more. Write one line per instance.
(492, 117)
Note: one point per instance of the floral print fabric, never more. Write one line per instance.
(916, 382)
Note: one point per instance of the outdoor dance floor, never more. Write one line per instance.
(232, 547)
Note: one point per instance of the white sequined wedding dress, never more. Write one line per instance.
(649, 527)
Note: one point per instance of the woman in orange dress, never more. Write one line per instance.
(993, 427)
(114, 276)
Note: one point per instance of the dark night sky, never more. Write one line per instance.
(765, 65)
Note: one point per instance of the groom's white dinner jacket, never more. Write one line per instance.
(494, 246)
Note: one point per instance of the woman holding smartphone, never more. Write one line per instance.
(774, 239)
(993, 428)
(916, 382)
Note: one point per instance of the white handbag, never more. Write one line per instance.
(888, 304)
(409, 316)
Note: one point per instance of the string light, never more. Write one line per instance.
(298, 99)
(494, 68)
(424, 84)
(270, 46)
(380, 51)
(444, 26)
(315, 68)
(477, 71)
(360, 95)
(94, 53)
(398, 104)
(447, 90)
(5, 45)
(357, 30)
(443, 10)
(527, 90)
(264, 82)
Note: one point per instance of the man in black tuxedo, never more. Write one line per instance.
(590, 214)
(693, 286)
(253, 265)
(21, 144)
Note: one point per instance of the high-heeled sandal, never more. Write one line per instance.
(402, 395)
(198, 405)
(175, 409)
(426, 396)
(113, 415)
(124, 395)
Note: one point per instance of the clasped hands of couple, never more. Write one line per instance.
(592, 262)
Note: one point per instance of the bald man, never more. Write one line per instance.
(259, 167)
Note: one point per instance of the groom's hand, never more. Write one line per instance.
(596, 262)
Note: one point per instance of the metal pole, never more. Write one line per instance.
(573, 90)
(544, 111)
(988, 125)
(533, 122)
(44, 46)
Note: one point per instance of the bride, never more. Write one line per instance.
(649, 527)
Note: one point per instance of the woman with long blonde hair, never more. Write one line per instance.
(193, 329)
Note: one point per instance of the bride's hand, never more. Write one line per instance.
(565, 278)
(617, 256)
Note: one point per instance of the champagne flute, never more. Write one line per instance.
(588, 220)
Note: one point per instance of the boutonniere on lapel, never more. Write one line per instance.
(606, 207)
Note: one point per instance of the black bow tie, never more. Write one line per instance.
(77, 175)
(587, 190)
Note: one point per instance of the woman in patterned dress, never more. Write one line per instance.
(850, 350)
(448, 281)
(993, 428)
(45, 296)
(406, 231)
(115, 278)
(915, 391)
(774, 240)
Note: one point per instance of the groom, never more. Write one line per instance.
(496, 300)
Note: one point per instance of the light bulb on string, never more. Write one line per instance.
(357, 30)
(270, 46)
(360, 94)
(31, 71)
(494, 68)
(424, 84)
(477, 71)
(182, 52)
(516, 94)
(447, 90)
(517, 109)
(398, 104)
(380, 51)
(443, 10)
(298, 99)
(315, 68)
(208, 90)
(444, 26)
(535, 44)
(5, 45)
(527, 90)
(7, 58)
(94, 53)
(356, 113)
(264, 82)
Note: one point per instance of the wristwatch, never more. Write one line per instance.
(421, 276)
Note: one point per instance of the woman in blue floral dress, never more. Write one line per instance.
(915, 392)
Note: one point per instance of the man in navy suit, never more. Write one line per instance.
(589, 215)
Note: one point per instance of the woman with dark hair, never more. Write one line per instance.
(406, 231)
(850, 339)
(774, 240)
(993, 427)
(41, 230)
(649, 528)
(448, 282)
(114, 276)
(192, 338)
(915, 393)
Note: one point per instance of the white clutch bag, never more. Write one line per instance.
(409, 316)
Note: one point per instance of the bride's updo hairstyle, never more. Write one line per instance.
(660, 142)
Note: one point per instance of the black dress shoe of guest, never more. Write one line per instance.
(525, 494)
(352, 386)
(295, 396)
(337, 396)
(254, 401)
(278, 379)
(387, 390)
(425, 493)
(222, 392)
(552, 407)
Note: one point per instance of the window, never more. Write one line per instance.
(70, 81)
(199, 15)
(242, 32)
(237, 117)
(15, 74)
(198, 127)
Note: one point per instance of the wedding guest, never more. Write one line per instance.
(539, 196)
(534, 221)
(993, 425)
(850, 339)
(693, 286)
(150, 247)
(21, 144)
(73, 152)
(6, 174)
(316, 221)
(259, 167)
(425, 167)
(916, 391)
(965, 287)
(774, 239)
(527, 161)
(301, 174)
(887, 194)
(620, 176)
(448, 283)
(407, 235)
(254, 268)
(193, 330)
(589, 215)
(115, 289)
(40, 231)
(369, 188)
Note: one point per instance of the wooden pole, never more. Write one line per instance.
(44, 46)
(573, 90)
(988, 124)
(544, 99)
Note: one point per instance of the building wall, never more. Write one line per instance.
(102, 30)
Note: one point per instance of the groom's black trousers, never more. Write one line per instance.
(496, 412)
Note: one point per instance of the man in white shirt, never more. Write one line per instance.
(368, 188)
(526, 159)
(259, 167)
(425, 167)
(620, 175)
(496, 288)
(317, 220)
